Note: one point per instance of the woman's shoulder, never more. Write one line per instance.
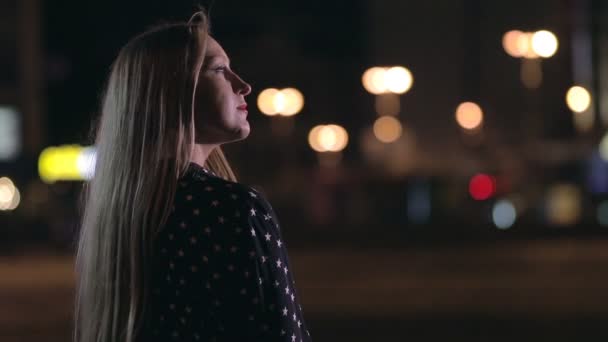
(201, 183)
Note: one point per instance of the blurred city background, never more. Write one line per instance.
(439, 168)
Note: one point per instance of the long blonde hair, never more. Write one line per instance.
(144, 142)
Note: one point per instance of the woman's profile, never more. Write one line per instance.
(172, 247)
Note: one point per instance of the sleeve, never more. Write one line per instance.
(234, 274)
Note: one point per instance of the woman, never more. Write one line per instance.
(172, 248)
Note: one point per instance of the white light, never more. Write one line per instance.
(544, 43)
(578, 99)
(10, 135)
(9, 194)
(86, 162)
(398, 80)
(504, 214)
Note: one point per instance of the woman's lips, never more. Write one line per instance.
(242, 107)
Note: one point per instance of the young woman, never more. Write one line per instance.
(172, 247)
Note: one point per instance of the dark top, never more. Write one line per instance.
(223, 273)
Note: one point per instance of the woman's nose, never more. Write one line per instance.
(242, 87)
(246, 89)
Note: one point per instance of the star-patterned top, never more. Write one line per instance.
(222, 271)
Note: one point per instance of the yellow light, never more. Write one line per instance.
(510, 42)
(313, 139)
(578, 99)
(341, 138)
(294, 101)
(9, 194)
(266, 101)
(544, 43)
(469, 115)
(328, 138)
(398, 80)
(387, 129)
(61, 163)
(373, 80)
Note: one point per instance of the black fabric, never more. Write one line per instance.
(222, 271)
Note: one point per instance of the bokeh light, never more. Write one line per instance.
(544, 43)
(266, 101)
(578, 99)
(510, 42)
(398, 80)
(603, 148)
(328, 138)
(469, 115)
(293, 101)
(69, 162)
(380, 80)
(313, 139)
(564, 204)
(373, 80)
(482, 187)
(285, 102)
(504, 214)
(9, 194)
(387, 129)
(10, 133)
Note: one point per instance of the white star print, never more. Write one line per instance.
(215, 219)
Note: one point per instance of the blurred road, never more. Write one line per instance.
(517, 290)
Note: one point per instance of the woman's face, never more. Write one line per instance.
(219, 104)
